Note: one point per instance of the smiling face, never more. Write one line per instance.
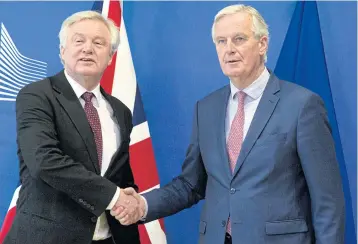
(87, 51)
(240, 54)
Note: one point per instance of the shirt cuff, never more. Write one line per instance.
(114, 199)
(146, 209)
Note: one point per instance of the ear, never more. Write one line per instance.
(62, 53)
(263, 45)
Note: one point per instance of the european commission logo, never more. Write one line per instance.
(16, 70)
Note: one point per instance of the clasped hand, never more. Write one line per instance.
(129, 208)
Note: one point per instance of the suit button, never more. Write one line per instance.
(92, 208)
(232, 190)
(81, 200)
(223, 223)
(94, 219)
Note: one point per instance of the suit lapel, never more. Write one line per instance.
(224, 98)
(69, 101)
(266, 107)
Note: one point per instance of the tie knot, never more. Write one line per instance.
(241, 96)
(87, 96)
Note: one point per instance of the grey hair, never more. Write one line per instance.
(259, 26)
(90, 15)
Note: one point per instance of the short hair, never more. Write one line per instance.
(259, 26)
(90, 15)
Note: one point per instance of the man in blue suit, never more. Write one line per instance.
(261, 152)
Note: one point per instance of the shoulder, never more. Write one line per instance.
(297, 94)
(38, 87)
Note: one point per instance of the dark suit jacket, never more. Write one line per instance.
(286, 187)
(62, 192)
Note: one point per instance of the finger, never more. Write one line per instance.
(120, 219)
(127, 221)
(123, 214)
(128, 217)
(124, 219)
(117, 211)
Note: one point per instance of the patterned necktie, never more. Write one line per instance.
(95, 123)
(235, 139)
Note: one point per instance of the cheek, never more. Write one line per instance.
(75, 53)
(221, 55)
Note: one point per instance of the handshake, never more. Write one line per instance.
(130, 207)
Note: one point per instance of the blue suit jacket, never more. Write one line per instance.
(286, 187)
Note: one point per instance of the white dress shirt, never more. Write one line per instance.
(111, 141)
(253, 96)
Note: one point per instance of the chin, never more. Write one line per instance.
(233, 73)
(87, 72)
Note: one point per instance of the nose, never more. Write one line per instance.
(230, 47)
(87, 47)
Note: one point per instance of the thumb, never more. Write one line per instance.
(129, 191)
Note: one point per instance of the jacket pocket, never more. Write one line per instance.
(279, 138)
(286, 227)
(202, 227)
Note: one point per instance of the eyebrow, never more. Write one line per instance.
(234, 35)
(78, 33)
(82, 35)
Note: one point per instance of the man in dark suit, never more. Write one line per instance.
(73, 146)
(261, 152)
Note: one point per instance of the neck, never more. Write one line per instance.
(243, 82)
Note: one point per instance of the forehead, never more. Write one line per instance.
(88, 27)
(234, 23)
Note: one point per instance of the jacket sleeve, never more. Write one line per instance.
(186, 189)
(316, 150)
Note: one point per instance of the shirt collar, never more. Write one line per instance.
(255, 89)
(79, 90)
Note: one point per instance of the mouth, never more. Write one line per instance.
(87, 60)
(234, 61)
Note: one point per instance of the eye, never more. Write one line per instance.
(221, 41)
(239, 39)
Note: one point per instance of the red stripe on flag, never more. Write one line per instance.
(114, 13)
(144, 238)
(107, 78)
(143, 164)
(161, 222)
(9, 218)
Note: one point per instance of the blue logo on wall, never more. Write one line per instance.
(16, 70)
